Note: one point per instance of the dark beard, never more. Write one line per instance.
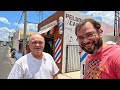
(97, 45)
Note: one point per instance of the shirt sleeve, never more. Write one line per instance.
(55, 68)
(16, 72)
(116, 66)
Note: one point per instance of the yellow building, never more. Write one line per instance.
(18, 39)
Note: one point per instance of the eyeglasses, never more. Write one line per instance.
(88, 36)
(36, 42)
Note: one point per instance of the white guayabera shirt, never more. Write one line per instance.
(28, 67)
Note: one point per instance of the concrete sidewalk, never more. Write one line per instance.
(71, 75)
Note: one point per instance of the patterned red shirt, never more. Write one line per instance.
(103, 65)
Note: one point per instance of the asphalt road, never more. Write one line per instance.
(6, 62)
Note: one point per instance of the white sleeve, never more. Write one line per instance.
(16, 72)
(55, 68)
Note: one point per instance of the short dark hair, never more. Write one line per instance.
(95, 24)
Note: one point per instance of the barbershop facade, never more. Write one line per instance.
(59, 33)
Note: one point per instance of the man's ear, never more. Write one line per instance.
(100, 31)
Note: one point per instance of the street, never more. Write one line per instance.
(6, 62)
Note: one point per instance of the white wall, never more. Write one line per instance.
(71, 18)
(15, 41)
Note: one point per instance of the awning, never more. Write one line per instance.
(46, 30)
(47, 27)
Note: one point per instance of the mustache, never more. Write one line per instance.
(84, 45)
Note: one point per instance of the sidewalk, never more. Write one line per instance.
(71, 75)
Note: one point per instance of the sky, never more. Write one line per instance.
(11, 21)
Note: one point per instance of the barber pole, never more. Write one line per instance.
(58, 55)
(60, 25)
(83, 55)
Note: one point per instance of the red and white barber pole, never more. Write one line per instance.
(60, 25)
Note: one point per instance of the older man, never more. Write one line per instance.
(36, 64)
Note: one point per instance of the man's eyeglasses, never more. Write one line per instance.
(88, 36)
(36, 42)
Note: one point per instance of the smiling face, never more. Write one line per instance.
(36, 44)
(89, 38)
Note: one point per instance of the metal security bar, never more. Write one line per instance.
(72, 58)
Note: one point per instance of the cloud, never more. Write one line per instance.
(105, 16)
(15, 24)
(4, 20)
(5, 33)
(4, 29)
(30, 26)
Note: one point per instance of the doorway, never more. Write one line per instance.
(49, 45)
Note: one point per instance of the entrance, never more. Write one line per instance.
(49, 44)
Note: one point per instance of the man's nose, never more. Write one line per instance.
(85, 39)
(37, 44)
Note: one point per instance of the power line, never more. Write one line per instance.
(32, 22)
(46, 15)
(19, 20)
(40, 13)
(49, 13)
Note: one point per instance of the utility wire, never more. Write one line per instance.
(40, 16)
(19, 20)
(32, 22)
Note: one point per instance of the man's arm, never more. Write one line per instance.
(55, 76)
(16, 72)
(55, 68)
